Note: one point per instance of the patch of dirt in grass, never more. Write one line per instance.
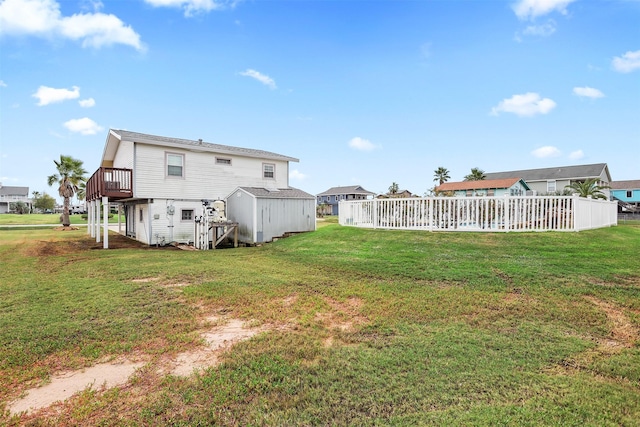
(216, 339)
(623, 335)
(218, 334)
(66, 384)
(343, 317)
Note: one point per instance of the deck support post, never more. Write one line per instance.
(105, 215)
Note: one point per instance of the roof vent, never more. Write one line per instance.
(200, 141)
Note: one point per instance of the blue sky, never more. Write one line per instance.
(362, 92)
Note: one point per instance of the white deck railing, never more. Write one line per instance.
(564, 213)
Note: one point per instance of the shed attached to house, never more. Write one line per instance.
(264, 214)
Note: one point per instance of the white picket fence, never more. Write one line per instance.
(493, 214)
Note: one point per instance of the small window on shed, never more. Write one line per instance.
(187, 215)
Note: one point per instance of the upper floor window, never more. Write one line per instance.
(551, 186)
(629, 194)
(175, 164)
(268, 170)
(223, 161)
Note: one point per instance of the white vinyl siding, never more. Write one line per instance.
(202, 180)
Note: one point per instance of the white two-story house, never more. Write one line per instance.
(161, 182)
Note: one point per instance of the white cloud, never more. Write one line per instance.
(526, 105)
(84, 126)
(362, 144)
(193, 7)
(546, 151)
(588, 92)
(87, 103)
(2, 83)
(264, 79)
(543, 30)
(530, 9)
(43, 18)
(627, 63)
(297, 175)
(49, 95)
(576, 155)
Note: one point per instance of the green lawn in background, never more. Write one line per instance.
(47, 219)
(362, 327)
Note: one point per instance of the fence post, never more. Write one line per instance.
(506, 209)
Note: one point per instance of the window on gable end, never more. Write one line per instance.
(268, 170)
(175, 164)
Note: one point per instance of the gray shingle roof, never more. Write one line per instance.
(187, 143)
(6, 190)
(562, 172)
(353, 189)
(625, 185)
(280, 193)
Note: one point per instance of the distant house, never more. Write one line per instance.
(627, 193)
(401, 194)
(163, 183)
(330, 198)
(485, 187)
(10, 195)
(552, 180)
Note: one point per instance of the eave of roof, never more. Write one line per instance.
(485, 184)
(352, 189)
(115, 136)
(280, 193)
(575, 172)
(625, 185)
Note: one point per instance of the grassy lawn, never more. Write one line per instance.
(362, 327)
(46, 219)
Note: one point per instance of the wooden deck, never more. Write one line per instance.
(114, 183)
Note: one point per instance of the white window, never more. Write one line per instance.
(223, 161)
(268, 170)
(187, 214)
(551, 186)
(491, 193)
(175, 164)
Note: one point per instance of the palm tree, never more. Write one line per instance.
(588, 188)
(393, 189)
(476, 174)
(70, 174)
(441, 175)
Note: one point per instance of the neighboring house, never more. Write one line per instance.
(554, 180)
(10, 195)
(265, 214)
(401, 194)
(485, 187)
(627, 193)
(334, 195)
(162, 182)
